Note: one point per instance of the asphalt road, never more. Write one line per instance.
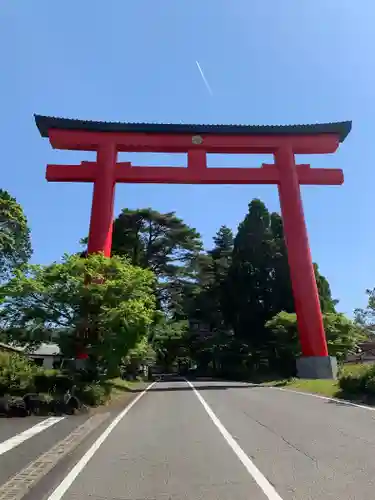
(20, 455)
(223, 441)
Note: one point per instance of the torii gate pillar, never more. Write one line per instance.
(101, 220)
(315, 363)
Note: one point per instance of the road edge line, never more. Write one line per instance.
(327, 398)
(249, 465)
(65, 484)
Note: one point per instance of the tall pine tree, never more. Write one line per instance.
(259, 285)
(163, 243)
(250, 276)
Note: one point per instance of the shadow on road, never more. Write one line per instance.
(370, 402)
(200, 383)
(338, 403)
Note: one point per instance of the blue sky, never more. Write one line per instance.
(267, 61)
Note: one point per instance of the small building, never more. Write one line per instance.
(47, 355)
(365, 353)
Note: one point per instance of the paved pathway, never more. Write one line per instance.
(221, 441)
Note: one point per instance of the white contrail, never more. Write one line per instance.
(204, 78)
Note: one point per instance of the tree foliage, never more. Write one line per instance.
(342, 334)
(207, 296)
(16, 373)
(259, 278)
(15, 245)
(242, 284)
(142, 354)
(327, 303)
(162, 243)
(365, 317)
(228, 294)
(230, 309)
(107, 303)
(168, 341)
(251, 275)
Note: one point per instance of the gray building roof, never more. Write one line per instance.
(43, 350)
(47, 350)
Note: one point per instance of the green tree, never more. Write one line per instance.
(342, 335)
(211, 280)
(282, 289)
(284, 344)
(327, 303)
(108, 303)
(221, 255)
(162, 243)
(203, 303)
(259, 284)
(365, 317)
(223, 245)
(15, 246)
(168, 341)
(142, 354)
(250, 276)
(282, 296)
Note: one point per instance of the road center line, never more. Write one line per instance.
(65, 484)
(27, 434)
(251, 468)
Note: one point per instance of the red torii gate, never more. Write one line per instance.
(107, 139)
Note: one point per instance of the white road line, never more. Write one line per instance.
(27, 434)
(251, 468)
(336, 400)
(65, 484)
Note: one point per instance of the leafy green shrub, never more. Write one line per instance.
(19, 376)
(370, 386)
(352, 384)
(360, 380)
(53, 381)
(354, 369)
(16, 374)
(63, 382)
(43, 381)
(94, 394)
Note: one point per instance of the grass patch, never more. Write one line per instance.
(324, 387)
(119, 386)
(329, 388)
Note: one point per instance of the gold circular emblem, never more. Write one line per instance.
(197, 139)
